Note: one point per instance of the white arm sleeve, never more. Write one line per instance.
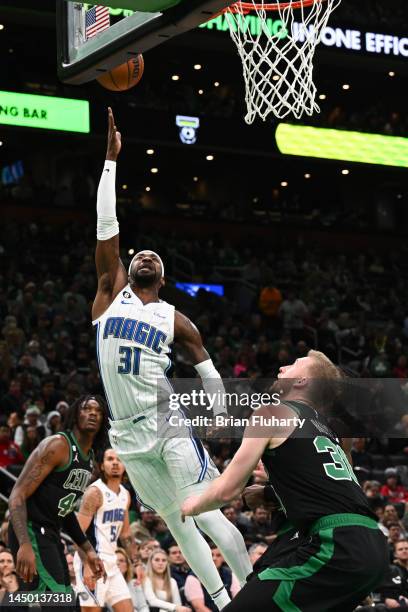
(107, 223)
(213, 386)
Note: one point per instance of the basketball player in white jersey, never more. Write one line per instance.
(104, 515)
(134, 332)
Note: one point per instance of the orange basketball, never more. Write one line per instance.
(125, 76)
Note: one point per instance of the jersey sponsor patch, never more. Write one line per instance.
(126, 295)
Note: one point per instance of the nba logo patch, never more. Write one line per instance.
(126, 295)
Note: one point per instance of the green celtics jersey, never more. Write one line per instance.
(58, 493)
(310, 473)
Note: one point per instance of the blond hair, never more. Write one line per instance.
(129, 569)
(328, 378)
(150, 573)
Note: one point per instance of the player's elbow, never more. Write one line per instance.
(228, 493)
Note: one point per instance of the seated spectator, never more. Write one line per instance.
(38, 362)
(15, 422)
(32, 419)
(160, 589)
(230, 513)
(145, 527)
(13, 400)
(256, 551)
(394, 536)
(197, 595)
(179, 568)
(132, 580)
(31, 440)
(9, 583)
(6, 563)
(147, 547)
(10, 453)
(393, 490)
(389, 517)
(53, 423)
(362, 460)
(260, 528)
(394, 591)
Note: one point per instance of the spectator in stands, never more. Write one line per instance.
(242, 518)
(6, 563)
(389, 517)
(145, 527)
(13, 400)
(133, 579)
(49, 396)
(196, 594)
(15, 422)
(53, 423)
(362, 460)
(38, 362)
(293, 311)
(231, 514)
(401, 368)
(160, 589)
(256, 551)
(260, 528)
(10, 453)
(70, 563)
(31, 440)
(147, 547)
(394, 591)
(393, 490)
(33, 420)
(9, 583)
(178, 568)
(394, 536)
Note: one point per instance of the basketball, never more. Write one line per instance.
(125, 76)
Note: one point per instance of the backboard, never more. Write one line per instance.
(144, 25)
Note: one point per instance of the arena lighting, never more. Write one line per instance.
(1, 26)
(197, 66)
(322, 97)
(124, 187)
(345, 172)
(188, 128)
(147, 188)
(346, 86)
(175, 77)
(154, 170)
(46, 112)
(308, 176)
(150, 151)
(131, 251)
(209, 157)
(216, 84)
(342, 145)
(284, 183)
(201, 91)
(391, 73)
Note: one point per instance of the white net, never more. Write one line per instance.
(277, 49)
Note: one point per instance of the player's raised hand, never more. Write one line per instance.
(25, 566)
(114, 138)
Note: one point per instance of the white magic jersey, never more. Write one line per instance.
(108, 520)
(133, 345)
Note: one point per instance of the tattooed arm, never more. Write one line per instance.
(126, 538)
(51, 453)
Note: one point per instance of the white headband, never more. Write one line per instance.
(153, 253)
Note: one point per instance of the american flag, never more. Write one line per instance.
(96, 20)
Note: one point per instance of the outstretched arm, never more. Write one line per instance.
(51, 453)
(188, 336)
(112, 276)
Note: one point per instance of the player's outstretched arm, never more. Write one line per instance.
(91, 502)
(112, 276)
(188, 336)
(231, 482)
(49, 454)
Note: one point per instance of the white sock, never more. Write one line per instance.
(221, 599)
(229, 540)
(197, 553)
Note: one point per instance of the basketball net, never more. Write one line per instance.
(278, 61)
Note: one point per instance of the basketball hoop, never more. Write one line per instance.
(277, 55)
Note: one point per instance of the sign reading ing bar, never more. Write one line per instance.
(46, 112)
